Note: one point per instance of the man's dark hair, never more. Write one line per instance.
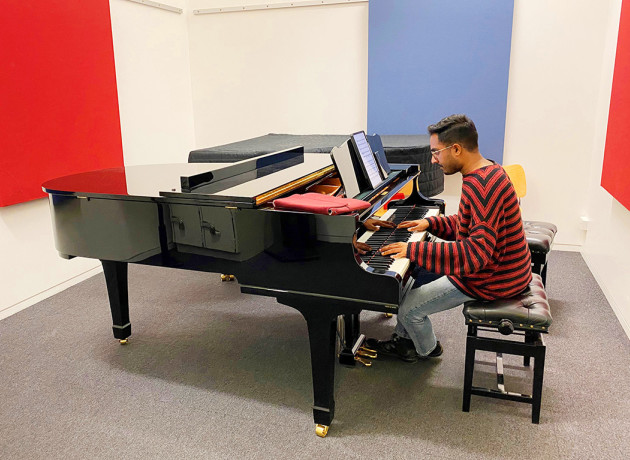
(456, 129)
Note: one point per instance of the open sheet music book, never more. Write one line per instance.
(359, 168)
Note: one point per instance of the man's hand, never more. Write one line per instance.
(373, 224)
(395, 250)
(362, 248)
(415, 225)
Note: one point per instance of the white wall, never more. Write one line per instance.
(153, 78)
(31, 269)
(607, 245)
(553, 90)
(292, 70)
(558, 97)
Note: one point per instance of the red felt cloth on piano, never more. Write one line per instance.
(320, 204)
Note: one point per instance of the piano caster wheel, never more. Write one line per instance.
(321, 430)
(388, 315)
(124, 341)
(227, 277)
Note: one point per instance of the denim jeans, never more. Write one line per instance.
(421, 301)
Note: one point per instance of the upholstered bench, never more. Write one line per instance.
(527, 314)
(539, 238)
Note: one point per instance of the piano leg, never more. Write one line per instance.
(322, 333)
(321, 320)
(116, 280)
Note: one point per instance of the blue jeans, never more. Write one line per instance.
(423, 300)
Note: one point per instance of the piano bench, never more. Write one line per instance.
(529, 314)
(539, 238)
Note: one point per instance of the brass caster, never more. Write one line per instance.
(321, 430)
(227, 277)
(365, 362)
(124, 341)
(388, 315)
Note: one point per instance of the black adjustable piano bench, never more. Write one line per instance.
(527, 314)
(539, 238)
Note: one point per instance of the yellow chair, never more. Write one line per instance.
(516, 173)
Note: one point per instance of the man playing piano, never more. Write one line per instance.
(485, 253)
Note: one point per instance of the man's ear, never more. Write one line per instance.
(457, 149)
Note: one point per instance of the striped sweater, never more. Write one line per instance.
(486, 253)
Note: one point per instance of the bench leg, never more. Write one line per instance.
(539, 371)
(543, 275)
(469, 368)
(530, 338)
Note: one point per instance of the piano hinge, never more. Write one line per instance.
(231, 207)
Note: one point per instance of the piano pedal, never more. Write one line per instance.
(123, 341)
(365, 362)
(227, 277)
(388, 315)
(367, 354)
(367, 350)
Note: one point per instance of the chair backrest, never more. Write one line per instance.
(516, 173)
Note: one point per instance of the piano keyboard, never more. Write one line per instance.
(384, 236)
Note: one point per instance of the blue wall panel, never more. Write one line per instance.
(432, 58)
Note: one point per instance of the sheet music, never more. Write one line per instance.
(369, 161)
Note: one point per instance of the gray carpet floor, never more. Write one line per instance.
(212, 373)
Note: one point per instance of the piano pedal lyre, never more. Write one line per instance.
(227, 277)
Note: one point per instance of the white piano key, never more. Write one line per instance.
(400, 266)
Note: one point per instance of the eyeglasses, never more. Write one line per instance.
(436, 153)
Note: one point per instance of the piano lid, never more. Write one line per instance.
(148, 182)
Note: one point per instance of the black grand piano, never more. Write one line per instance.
(220, 218)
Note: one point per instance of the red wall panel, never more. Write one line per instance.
(58, 97)
(616, 168)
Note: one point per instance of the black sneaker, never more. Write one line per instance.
(397, 347)
(437, 351)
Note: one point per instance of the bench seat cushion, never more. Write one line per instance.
(539, 235)
(527, 311)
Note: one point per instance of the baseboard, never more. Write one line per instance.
(11, 310)
(567, 247)
(616, 306)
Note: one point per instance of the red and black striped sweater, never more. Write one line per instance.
(486, 254)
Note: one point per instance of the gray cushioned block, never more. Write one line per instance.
(406, 149)
(527, 311)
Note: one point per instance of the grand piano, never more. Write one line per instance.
(220, 218)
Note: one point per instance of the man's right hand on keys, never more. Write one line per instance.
(415, 225)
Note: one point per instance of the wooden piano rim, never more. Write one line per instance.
(275, 193)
